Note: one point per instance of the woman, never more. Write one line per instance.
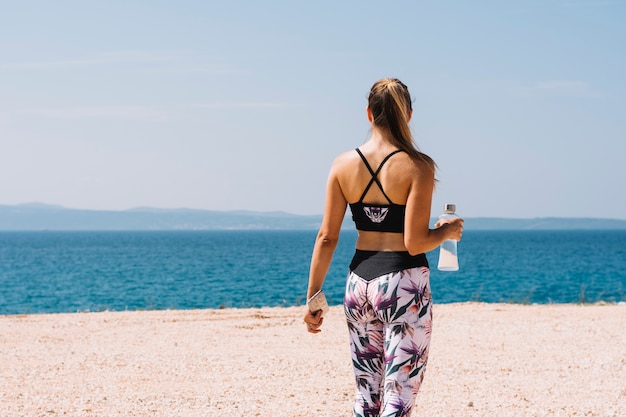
(388, 184)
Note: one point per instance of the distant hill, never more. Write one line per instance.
(29, 217)
(45, 217)
(543, 223)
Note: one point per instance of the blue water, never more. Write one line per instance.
(49, 272)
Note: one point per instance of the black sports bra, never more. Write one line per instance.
(378, 217)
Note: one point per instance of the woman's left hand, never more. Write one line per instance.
(455, 228)
(313, 321)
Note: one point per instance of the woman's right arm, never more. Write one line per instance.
(418, 237)
(326, 241)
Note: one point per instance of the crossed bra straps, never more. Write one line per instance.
(377, 217)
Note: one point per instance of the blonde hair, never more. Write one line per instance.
(390, 104)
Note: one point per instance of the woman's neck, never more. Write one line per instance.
(381, 139)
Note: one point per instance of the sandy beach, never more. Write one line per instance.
(486, 360)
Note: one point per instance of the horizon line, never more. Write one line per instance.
(146, 208)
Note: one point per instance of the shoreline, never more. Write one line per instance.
(487, 359)
(9, 315)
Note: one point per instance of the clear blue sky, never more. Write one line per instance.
(244, 104)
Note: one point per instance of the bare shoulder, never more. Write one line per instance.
(347, 156)
(422, 167)
(345, 160)
(416, 165)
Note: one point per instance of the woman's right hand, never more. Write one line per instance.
(313, 321)
(453, 228)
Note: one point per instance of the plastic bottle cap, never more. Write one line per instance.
(449, 208)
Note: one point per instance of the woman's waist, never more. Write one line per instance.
(371, 264)
(380, 241)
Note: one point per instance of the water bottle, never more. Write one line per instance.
(448, 259)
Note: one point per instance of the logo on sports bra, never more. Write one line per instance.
(376, 214)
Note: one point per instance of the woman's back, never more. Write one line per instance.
(385, 186)
(394, 176)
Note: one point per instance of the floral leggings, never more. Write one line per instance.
(389, 321)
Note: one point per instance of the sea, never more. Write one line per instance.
(60, 272)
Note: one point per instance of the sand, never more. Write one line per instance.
(486, 360)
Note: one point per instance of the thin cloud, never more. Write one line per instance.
(526, 9)
(93, 60)
(595, 3)
(134, 113)
(551, 88)
(189, 60)
(242, 105)
(568, 88)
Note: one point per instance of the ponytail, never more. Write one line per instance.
(390, 104)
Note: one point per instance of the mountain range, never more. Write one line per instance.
(36, 216)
